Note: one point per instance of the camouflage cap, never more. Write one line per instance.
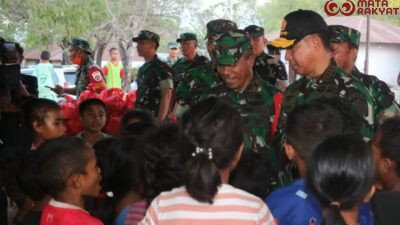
(229, 47)
(254, 31)
(147, 35)
(186, 37)
(172, 45)
(340, 34)
(81, 43)
(220, 26)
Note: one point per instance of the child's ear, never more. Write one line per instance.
(75, 181)
(388, 165)
(290, 152)
(370, 194)
(37, 127)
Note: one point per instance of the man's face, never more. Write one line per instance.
(94, 118)
(344, 55)
(75, 55)
(173, 52)
(301, 56)
(145, 47)
(237, 76)
(114, 55)
(188, 47)
(258, 44)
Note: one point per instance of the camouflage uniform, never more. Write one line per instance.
(258, 103)
(383, 98)
(183, 65)
(334, 82)
(89, 75)
(153, 77)
(268, 67)
(196, 83)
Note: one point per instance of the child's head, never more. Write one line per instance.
(310, 124)
(163, 160)
(341, 175)
(93, 114)
(43, 118)
(135, 116)
(213, 132)
(45, 55)
(386, 152)
(114, 53)
(68, 164)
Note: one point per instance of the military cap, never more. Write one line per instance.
(172, 45)
(298, 24)
(81, 43)
(147, 35)
(340, 34)
(220, 26)
(229, 47)
(186, 37)
(254, 31)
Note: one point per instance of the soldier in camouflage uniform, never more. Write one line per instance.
(190, 59)
(173, 51)
(257, 101)
(154, 78)
(344, 42)
(89, 75)
(268, 67)
(197, 82)
(304, 35)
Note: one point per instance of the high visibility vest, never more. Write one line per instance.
(113, 78)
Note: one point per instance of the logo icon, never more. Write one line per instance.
(347, 8)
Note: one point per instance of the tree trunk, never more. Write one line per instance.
(126, 58)
(99, 54)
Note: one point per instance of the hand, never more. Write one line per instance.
(59, 90)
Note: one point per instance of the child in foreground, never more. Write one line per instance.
(213, 144)
(68, 171)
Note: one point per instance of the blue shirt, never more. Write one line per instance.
(294, 205)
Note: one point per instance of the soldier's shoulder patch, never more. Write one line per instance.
(95, 73)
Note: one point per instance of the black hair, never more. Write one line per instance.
(310, 124)
(112, 49)
(35, 109)
(59, 159)
(83, 106)
(103, 149)
(136, 129)
(27, 176)
(163, 160)
(340, 175)
(45, 55)
(253, 173)
(123, 173)
(140, 115)
(19, 48)
(389, 143)
(214, 127)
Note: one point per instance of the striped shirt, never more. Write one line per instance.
(231, 206)
(132, 214)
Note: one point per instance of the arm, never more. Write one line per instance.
(164, 105)
(59, 90)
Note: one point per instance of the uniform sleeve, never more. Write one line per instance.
(151, 217)
(165, 77)
(96, 79)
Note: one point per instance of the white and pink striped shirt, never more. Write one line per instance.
(231, 206)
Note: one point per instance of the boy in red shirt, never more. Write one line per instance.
(68, 171)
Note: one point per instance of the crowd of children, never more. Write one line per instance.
(196, 172)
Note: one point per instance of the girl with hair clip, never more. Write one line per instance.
(341, 176)
(212, 145)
